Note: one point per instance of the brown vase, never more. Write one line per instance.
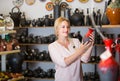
(113, 15)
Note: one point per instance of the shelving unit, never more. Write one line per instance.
(4, 53)
(73, 29)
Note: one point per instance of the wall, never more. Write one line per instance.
(38, 8)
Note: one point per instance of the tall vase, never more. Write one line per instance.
(108, 68)
(113, 15)
(57, 11)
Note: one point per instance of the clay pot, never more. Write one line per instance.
(56, 11)
(47, 20)
(15, 62)
(76, 18)
(113, 15)
(108, 70)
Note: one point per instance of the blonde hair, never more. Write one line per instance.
(58, 21)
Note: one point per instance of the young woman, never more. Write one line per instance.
(67, 53)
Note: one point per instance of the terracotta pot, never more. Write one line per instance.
(113, 15)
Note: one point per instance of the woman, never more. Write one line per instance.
(67, 53)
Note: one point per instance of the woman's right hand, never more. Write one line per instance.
(84, 46)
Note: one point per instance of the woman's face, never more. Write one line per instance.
(63, 29)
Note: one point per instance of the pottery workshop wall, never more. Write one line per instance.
(38, 9)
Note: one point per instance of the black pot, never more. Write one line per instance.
(15, 62)
(76, 18)
(16, 16)
(23, 20)
(40, 22)
(47, 21)
(33, 22)
(57, 11)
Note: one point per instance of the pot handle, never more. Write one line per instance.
(15, 8)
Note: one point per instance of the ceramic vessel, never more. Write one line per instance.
(113, 15)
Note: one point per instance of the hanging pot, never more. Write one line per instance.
(16, 16)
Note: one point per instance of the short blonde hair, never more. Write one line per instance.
(58, 21)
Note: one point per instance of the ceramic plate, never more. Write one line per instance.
(98, 1)
(9, 24)
(83, 1)
(49, 6)
(69, 0)
(30, 2)
(17, 3)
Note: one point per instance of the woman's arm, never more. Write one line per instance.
(78, 53)
(85, 57)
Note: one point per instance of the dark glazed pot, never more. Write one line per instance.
(76, 18)
(15, 62)
(16, 16)
(57, 11)
(47, 21)
(40, 22)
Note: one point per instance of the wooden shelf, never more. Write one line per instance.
(25, 44)
(103, 26)
(34, 27)
(52, 62)
(90, 63)
(7, 31)
(111, 26)
(39, 78)
(31, 44)
(38, 61)
(9, 52)
(99, 45)
(16, 79)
